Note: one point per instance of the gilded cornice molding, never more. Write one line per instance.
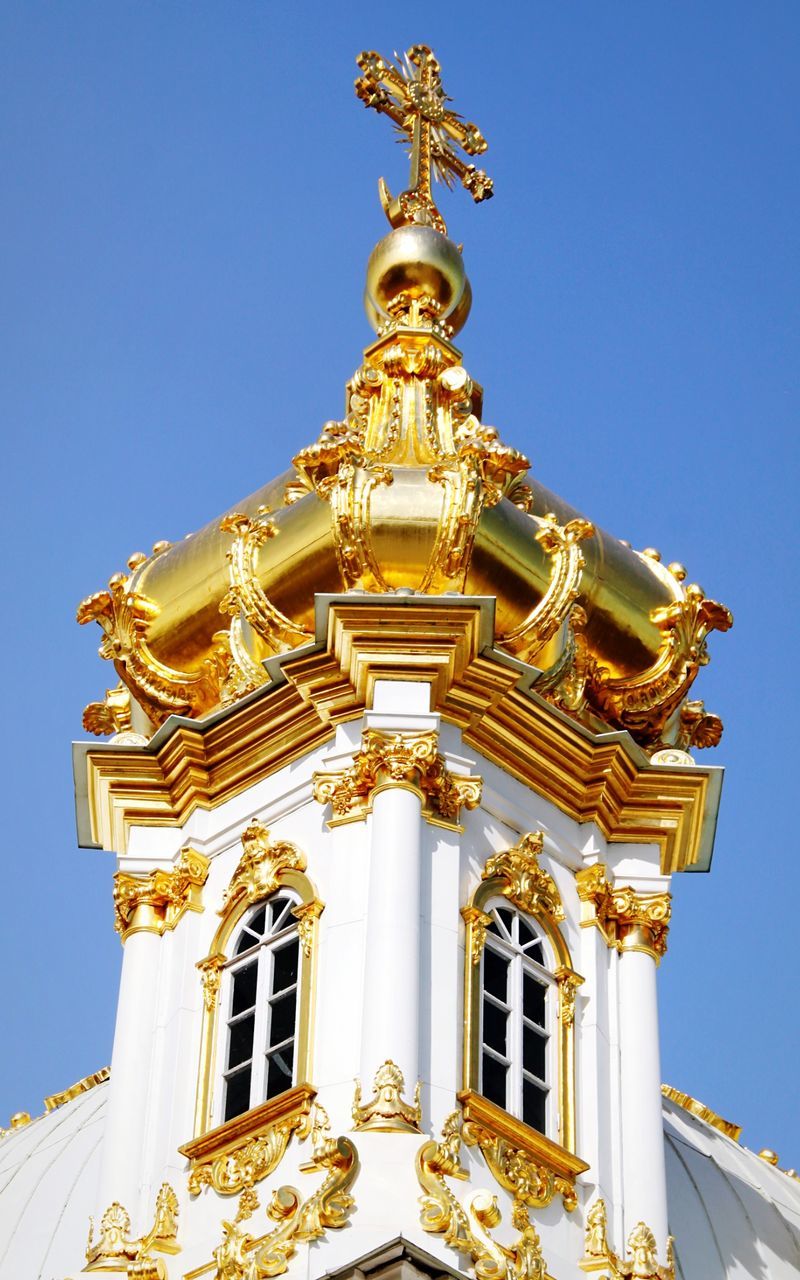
(467, 1227)
(387, 1111)
(408, 760)
(249, 1147)
(627, 919)
(155, 902)
(242, 1256)
(603, 779)
(55, 1100)
(699, 1109)
(641, 1262)
(115, 1250)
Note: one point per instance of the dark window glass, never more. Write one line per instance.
(279, 1070)
(278, 909)
(245, 981)
(530, 943)
(493, 1084)
(237, 1093)
(494, 1027)
(240, 1044)
(282, 1020)
(284, 966)
(533, 999)
(534, 1052)
(506, 919)
(534, 1100)
(495, 974)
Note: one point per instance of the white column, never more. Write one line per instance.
(643, 1168)
(392, 977)
(125, 1126)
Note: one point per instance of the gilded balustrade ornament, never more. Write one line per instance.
(641, 1262)
(410, 760)
(115, 1250)
(467, 1228)
(155, 902)
(387, 1111)
(242, 1256)
(627, 919)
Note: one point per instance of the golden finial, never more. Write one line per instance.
(411, 95)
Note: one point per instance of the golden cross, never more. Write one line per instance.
(411, 95)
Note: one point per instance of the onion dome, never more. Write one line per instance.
(411, 492)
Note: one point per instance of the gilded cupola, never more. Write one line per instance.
(411, 492)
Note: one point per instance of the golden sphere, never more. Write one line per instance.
(417, 262)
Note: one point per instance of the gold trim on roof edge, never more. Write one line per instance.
(601, 778)
(687, 1103)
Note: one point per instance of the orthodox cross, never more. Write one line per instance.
(411, 95)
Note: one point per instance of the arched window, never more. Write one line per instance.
(518, 1012)
(260, 1005)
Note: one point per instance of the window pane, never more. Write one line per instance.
(495, 974)
(246, 941)
(237, 1094)
(279, 909)
(534, 1052)
(284, 966)
(494, 1027)
(506, 919)
(534, 1105)
(240, 1042)
(530, 942)
(244, 988)
(493, 1080)
(534, 995)
(279, 1070)
(282, 1020)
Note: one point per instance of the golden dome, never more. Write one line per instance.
(411, 492)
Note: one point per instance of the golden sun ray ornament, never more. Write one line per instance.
(411, 95)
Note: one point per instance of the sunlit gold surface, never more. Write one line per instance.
(703, 1112)
(641, 1260)
(113, 1249)
(387, 1110)
(154, 903)
(629, 921)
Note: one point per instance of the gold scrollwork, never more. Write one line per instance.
(642, 1260)
(246, 595)
(260, 868)
(114, 1249)
(525, 883)
(562, 544)
(124, 616)
(397, 760)
(249, 1147)
(644, 703)
(155, 902)
(627, 919)
(386, 1111)
(241, 1256)
(467, 1228)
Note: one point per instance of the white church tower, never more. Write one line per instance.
(401, 767)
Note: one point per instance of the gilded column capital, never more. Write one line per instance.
(155, 902)
(408, 760)
(629, 920)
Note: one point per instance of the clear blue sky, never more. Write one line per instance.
(189, 202)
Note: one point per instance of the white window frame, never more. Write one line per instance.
(520, 963)
(263, 952)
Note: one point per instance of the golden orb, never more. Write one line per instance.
(415, 262)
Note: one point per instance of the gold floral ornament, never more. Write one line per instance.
(409, 760)
(113, 716)
(154, 903)
(115, 1250)
(260, 868)
(467, 1228)
(411, 95)
(249, 1147)
(386, 1110)
(641, 1262)
(627, 919)
(526, 884)
(240, 1256)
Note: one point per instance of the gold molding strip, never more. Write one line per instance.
(699, 1109)
(601, 778)
(54, 1100)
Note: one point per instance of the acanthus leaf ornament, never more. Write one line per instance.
(387, 1111)
(260, 867)
(641, 1260)
(525, 883)
(629, 920)
(562, 545)
(114, 1248)
(246, 595)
